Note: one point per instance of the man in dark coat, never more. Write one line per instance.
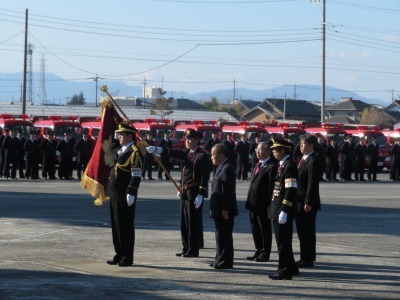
(223, 207)
(66, 150)
(242, 149)
(148, 158)
(49, 151)
(31, 149)
(1, 153)
(230, 145)
(259, 199)
(320, 151)
(346, 151)
(373, 157)
(213, 141)
(194, 181)
(253, 152)
(84, 148)
(11, 148)
(165, 157)
(122, 188)
(282, 209)
(394, 152)
(308, 200)
(332, 163)
(360, 151)
(21, 154)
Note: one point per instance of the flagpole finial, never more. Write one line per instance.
(104, 88)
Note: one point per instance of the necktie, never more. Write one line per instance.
(300, 163)
(257, 168)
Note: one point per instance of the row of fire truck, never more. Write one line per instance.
(59, 124)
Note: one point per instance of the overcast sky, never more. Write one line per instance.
(194, 46)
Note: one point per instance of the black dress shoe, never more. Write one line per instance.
(211, 265)
(124, 264)
(280, 277)
(222, 267)
(295, 272)
(305, 264)
(261, 259)
(112, 262)
(188, 254)
(151, 178)
(257, 254)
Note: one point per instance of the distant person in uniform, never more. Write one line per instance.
(66, 156)
(2, 160)
(394, 152)
(332, 164)
(230, 145)
(84, 148)
(212, 141)
(242, 149)
(31, 149)
(149, 158)
(165, 157)
(346, 151)
(122, 188)
(253, 152)
(11, 148)
(49, 153)
(360, 151)
(21, 154)
(373, 157)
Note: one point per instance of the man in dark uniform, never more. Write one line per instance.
(359, 152)
(346, 151)
(320, 150)
(253, 152)
(2, 160)
(48, 147)
(195, 175)
(282, 209)
(21, 154)
(66, 150)
(242, 165)
(149, 158)
(223, 207)
(213, 141)
(394, 152)
(84, 148)
(230, 145)
(331, 160)
(308, 200)
(31, 149)
(122, 188)
(373, 157)
(259, 199)
(10, 146)
(165, 156)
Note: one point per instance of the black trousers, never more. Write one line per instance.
(167, 164)
(123, 230)
(359, 170)
(148, 166)
(190, 222)
(262, 233)
(331, 169)
(305, 224)
(372, 168)
(81, 167)
(284, 235)
(224, 242)
(242, 167)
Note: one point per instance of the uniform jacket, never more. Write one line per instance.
(331, 152)
(211, 143)
(31, 149)
(165, 144)
(285, 190)
(360, 151)
(48, 148)
(223, 191)
(261, 187)
(253, 153)
(394, 152)
(242, 149)
(308, 184)
(84, 150)
(373, 152)
(123, 182)
(11, 148)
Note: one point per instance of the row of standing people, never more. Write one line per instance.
(23, 155)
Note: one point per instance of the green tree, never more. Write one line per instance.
(77, 99)
(213, 104)
(162, 105)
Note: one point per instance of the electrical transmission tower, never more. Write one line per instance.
(29, 74)
(42, 87)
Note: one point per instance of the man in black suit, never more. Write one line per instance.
(373, 157)
(48, 147)
(194, 181)
(258, 201)
(84, 147)
(308, 200)
(320, 151)
(394, 152)
(223, 206)
(21, 154)
(31, 149)
(230, 145)
(359, 154)
(122, 188)
(346, 151)
(282, 209)
(165, 156)
(213, 141)
(331, 160)
(253, 152)
(148, 158)
(242, 148)
(11, 148)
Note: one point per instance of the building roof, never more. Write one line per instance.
(188, 104)
(341, 120)
(250, 104)
(351, 104)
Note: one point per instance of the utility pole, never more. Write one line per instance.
(96, 79)
(323, 58)
(294, 92)
(144, 92)
(234, 93)
(284, 108)
(25, 64)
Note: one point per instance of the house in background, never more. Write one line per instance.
(294, 110)
(393, 111)
(347, 109)
(244, 106)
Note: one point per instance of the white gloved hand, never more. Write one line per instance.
(198, 201)
(130, 199)
(179, 195)
(282, 218)
(151, 149)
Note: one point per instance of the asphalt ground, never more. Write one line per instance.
(54, 244)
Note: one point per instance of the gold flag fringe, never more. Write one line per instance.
(95, 188)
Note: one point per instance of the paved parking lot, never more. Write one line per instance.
(54, 243)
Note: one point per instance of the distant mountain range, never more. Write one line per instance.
(59, 91)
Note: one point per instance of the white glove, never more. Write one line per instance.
(282, 218)
(152, 149)
(198, 201)
(130, 199)
(179, 195)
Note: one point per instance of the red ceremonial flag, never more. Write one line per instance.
(95, 177)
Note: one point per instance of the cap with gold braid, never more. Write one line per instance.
(281, 143)
(123, 127)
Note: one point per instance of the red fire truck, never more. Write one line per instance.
(369, 131)
(16, 122)
(59, 124)
(251, 129)
(93, 127)
(204, 127)
(391, 134)
(328, 130)
(283, 129)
